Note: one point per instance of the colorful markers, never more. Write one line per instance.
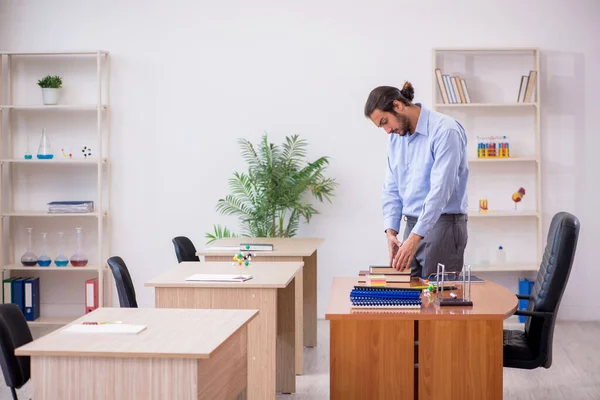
(492, 146)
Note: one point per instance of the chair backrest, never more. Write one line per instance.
(123, 281)
(185, 249)
(14, 332)
(551, 281)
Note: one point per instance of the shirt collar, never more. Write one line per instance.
(423, 122)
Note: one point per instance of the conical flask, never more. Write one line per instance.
(43, 259)
(44, 149)
(29, 259)
(61, 259)
(79, 259)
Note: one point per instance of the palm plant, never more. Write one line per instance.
(270, 199)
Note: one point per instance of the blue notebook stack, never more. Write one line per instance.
(385, 297)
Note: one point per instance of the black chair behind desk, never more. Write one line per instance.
(185, 249)
(123, 281)
(532, 347)
(14, 333)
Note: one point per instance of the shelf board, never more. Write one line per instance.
(54, 53)
(47, 214)
(486, 50)
(57, 160)
(53, 107)
(502, 159)
(52, 321)
(19, 267)
(503, 213)
(482, 105)
(504, 267)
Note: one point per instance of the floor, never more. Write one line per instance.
(573, 375)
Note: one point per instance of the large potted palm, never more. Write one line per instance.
(270, 200)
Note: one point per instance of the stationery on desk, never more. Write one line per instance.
(104, 327)
(218, 278)
(256, 246)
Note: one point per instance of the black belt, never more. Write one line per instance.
(443, 217)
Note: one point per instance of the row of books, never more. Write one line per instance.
(527, 87)
(452, 88)
(69, 207)
(25, 293)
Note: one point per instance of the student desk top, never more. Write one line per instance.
(435, 352)
(284, 249)
(271, 335)
(186, 354)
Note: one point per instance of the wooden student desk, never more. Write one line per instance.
(183, 354)
(271, 341)
(428, 353)
(284, 249)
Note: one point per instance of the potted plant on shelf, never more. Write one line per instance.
(270, 199)
(50, 89)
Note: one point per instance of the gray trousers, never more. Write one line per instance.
(445, 243)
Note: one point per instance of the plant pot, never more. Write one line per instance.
(50, 95)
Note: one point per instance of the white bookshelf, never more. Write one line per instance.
(81, 116)
(492, 77)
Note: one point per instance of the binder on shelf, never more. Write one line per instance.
(7, 297)
(18, 293)
(32, 298)
(525, 286)
(91, 295)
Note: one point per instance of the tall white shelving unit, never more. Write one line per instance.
(81, 118)
(493, 79)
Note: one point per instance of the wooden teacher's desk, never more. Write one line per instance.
(284, 249)
(429, 353)
(271, 339)
(183, 354)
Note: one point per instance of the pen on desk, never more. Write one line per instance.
(101, 322)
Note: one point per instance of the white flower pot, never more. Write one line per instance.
(50, 95)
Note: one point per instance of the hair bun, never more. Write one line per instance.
(408, 91)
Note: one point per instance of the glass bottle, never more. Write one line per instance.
(79, 259)
(28, 155)
(43, 259)
(29, 259)
(61, 259)
(45, 149)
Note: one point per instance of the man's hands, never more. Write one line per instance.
(405, 253)
(393, 243)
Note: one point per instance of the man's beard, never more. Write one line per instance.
(404, 122)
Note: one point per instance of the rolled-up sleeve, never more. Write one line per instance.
(444, 175)
(392, 202)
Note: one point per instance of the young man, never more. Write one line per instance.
(426, 181)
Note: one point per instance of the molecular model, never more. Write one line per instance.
(243, 259)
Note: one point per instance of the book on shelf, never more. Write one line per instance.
(526, 89)
(452, 88)
(364, 276)
(68, 207)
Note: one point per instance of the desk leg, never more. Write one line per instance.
(286, 339)
(372, 359)
(262, 330)
(310, 300)
(460, 360)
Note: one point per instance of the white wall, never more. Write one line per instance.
(190, 78)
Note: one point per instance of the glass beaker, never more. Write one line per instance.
(44, 149)
(29, 259)
(79, 259)
(61, 260)
(28, 155)
(43, 259)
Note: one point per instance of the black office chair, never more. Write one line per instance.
(123, 281)
(532, 348)
(14, 333)
(184, 249)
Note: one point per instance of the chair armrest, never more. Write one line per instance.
(523, 297)
(539, 314)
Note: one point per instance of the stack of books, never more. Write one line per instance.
(390, 274)
(70, 207)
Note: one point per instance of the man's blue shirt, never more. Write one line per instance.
(427, 173)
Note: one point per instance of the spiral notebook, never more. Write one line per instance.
(384, 297)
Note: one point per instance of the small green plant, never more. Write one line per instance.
(270, 199)
(50, 82)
